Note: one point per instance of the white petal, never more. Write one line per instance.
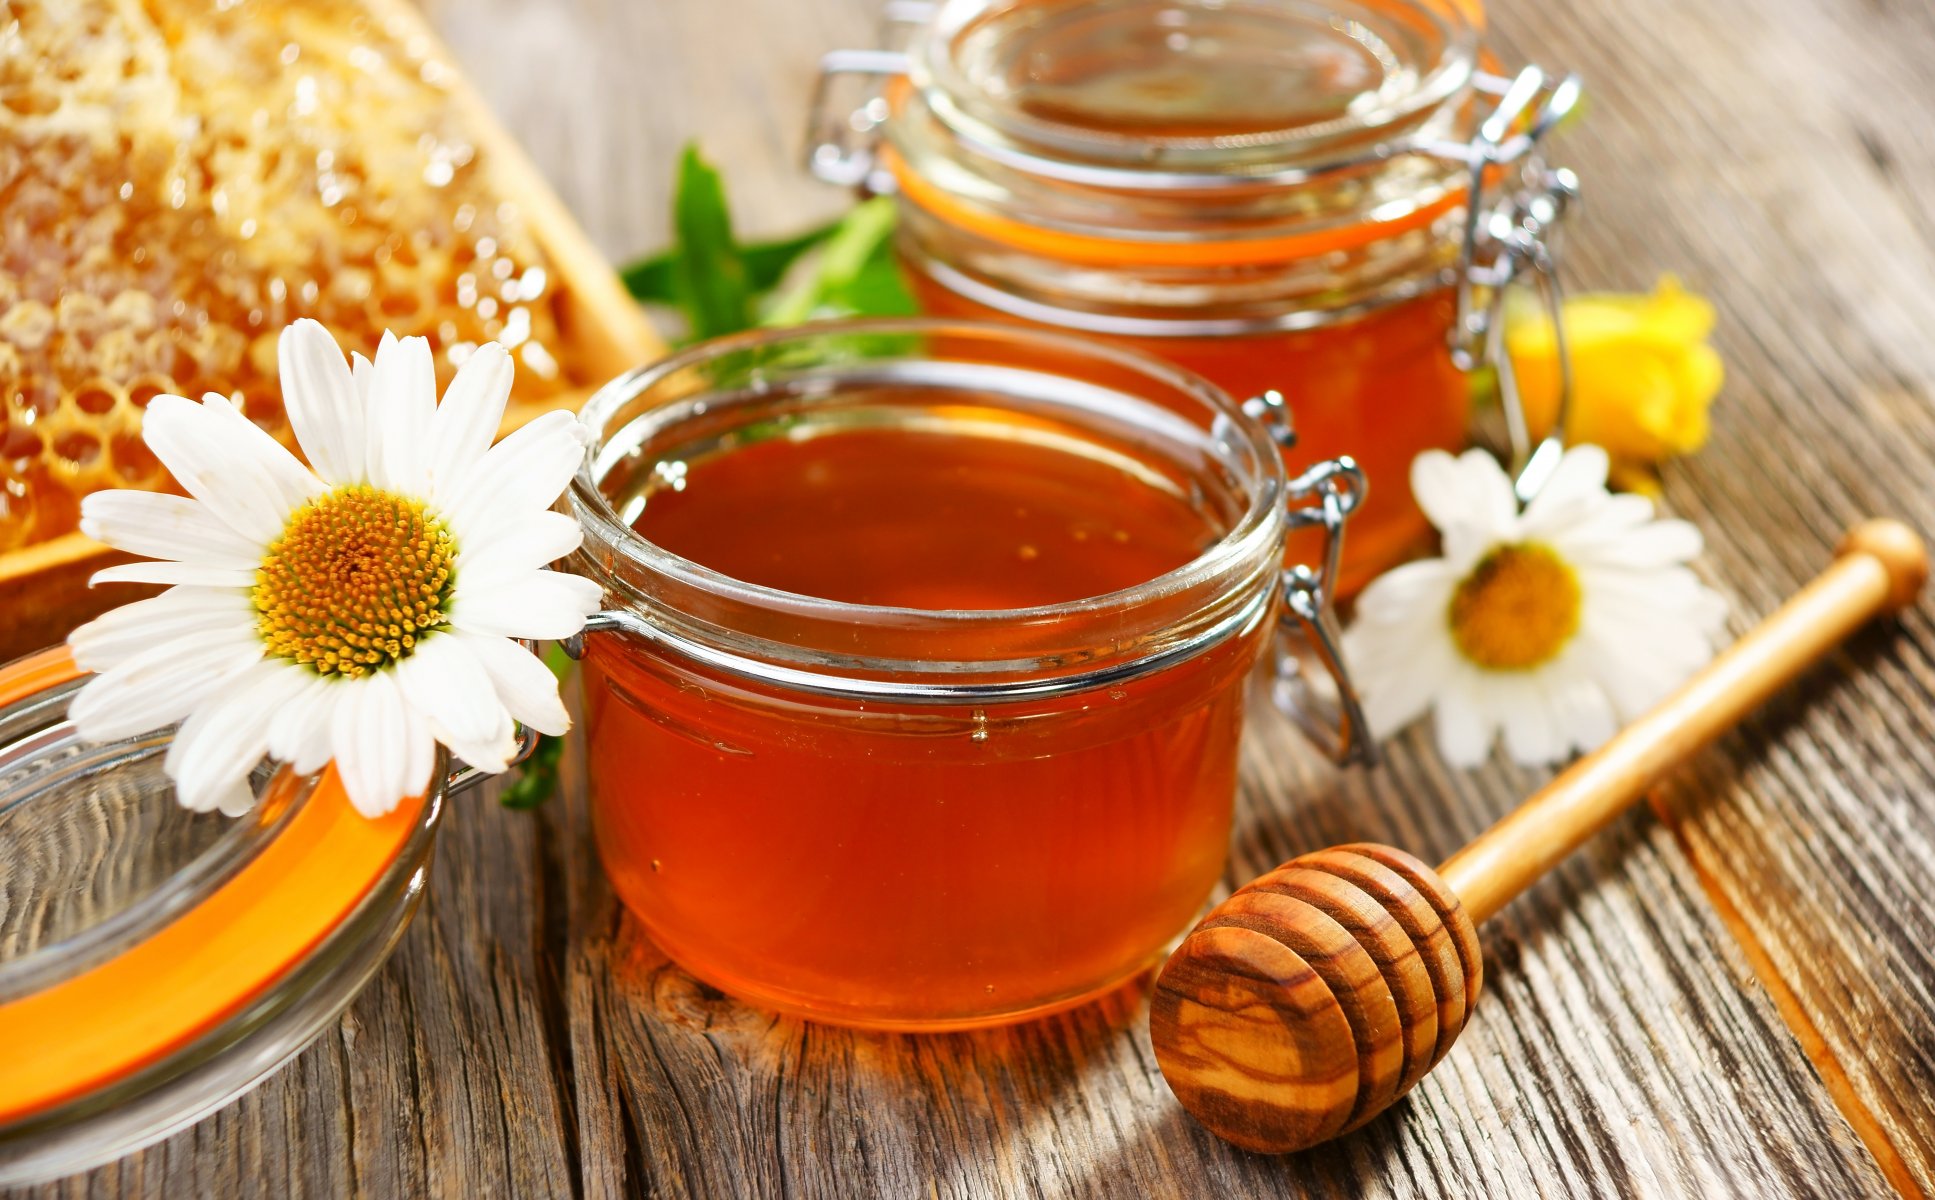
(491, 754)
(1464, 735)
(402, 405)
(220, 457)
(157, 525)
(236, 799)
(525, 686)
(1438, 486)
(541, 604)
(524, 473)
(529, 542)
(224, 740)
(178, 613)
(1632, 683)
(175, 574)
(1531, 735)
(467, 420)
(445, 682)
(420, 758)
(371, 731)
(1389, 708)
(1653, 545)
(1577, 483)
(1469, 499)
(362, 372)
(1416, 673)
(1416, 591)
(325, 409)
(160, 686)
(1580, 710)
(1582, 532)
(299, 734)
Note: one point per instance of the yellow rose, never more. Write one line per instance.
(1643, 375)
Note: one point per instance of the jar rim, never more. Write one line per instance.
(959, 68)
(1255, 535)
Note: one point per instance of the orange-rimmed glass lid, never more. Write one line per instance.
(1216, 88)
(154, 962)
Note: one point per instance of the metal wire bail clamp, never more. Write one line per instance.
(1507, 236)
(840, 142)
(1332, 490)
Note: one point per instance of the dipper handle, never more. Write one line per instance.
(1880, 567)
(1315, 996)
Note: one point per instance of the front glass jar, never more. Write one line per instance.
(919, 700)
(1271, 193)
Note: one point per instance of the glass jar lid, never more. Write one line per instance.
(1217, 90)
(155, 963)
(1188, 135)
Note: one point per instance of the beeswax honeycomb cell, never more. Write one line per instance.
(180, 179)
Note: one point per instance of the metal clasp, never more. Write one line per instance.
(1508, 235)
(1330, 492)
(1270, 410)
(463, 776)
(840, 139)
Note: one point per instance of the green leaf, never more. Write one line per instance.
(880, 290)
(709, 279)
(856, 272)
(650, 279)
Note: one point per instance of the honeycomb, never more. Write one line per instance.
(180, 179)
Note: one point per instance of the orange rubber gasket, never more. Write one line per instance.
(1105, 251)
(133, 1010)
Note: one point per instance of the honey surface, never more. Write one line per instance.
(924, 520)
(916, 866)
(180, 179)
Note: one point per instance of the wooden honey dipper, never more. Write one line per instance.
(1310, 1000)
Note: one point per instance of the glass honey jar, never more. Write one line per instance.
(917, 700)
(1275, 194)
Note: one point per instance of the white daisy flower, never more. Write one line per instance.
(362, 610)
(1557, 624)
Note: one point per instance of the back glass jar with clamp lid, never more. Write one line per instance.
(1276, 194)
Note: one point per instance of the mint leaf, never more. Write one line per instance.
(709, 281)
(855, 274)
(649, 280)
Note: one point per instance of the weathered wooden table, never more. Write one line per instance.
(1733, 994)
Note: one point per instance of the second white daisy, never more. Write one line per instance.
(1556, 624)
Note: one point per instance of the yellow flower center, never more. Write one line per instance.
(1517, 609)
(358, 575)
